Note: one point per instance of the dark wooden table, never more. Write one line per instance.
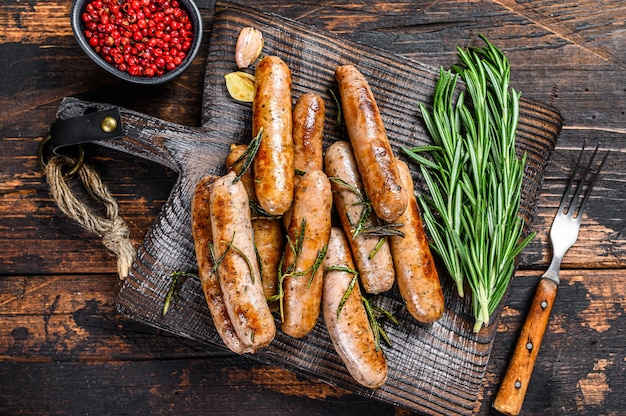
(64, 349)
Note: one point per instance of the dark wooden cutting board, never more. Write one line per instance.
(435, 369)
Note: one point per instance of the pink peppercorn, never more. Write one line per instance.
(141, 37)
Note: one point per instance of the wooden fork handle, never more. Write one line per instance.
(513, 387)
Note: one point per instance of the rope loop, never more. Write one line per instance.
(73, 168)
(111, 228)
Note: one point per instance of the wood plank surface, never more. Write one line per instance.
(65, 330)
(61, 336)
(422, 358)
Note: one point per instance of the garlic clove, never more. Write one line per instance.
(249, 46)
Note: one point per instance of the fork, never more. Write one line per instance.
(563, 235)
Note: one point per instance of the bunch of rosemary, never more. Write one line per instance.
(474, 176)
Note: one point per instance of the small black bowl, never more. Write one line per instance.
(78, 8)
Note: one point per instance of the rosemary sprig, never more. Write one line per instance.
(290, 270)
(299, 240)
(258, 213)
(321, 255)
(348, 291)
(215, 260)
(243, 255)
(280, 294)
(376, 248)
(359, 226)
(172, 292)
(384, 230)
(248, 156)
(338, 102)
(366, 205)
(375, 314)
(475, 176)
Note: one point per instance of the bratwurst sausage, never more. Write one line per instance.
(308, 130)
(271, 110)
(202, 237)
(349, 327)
(238, 270)
(267, 232)
(368, 136)
(373, 262)
(308, 232)
(416, 274)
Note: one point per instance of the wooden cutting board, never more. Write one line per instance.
(435, 369)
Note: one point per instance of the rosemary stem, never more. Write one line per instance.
(474, 176)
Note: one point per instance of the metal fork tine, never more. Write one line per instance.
(572, 207)
(583, 204)
(570, 183)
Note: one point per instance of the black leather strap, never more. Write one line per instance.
(90, 127)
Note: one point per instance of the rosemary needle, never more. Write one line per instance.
(474, 176)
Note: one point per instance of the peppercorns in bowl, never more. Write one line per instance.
(146, 42)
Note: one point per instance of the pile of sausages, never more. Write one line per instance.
(305, 249)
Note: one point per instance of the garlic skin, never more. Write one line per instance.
(249, 47)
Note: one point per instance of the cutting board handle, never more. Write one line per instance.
(174, 146)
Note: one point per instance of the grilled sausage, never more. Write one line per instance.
(376, 271)
(202, 237)
(268, 240)
(309, 231)
(271, 110)
(237, 270)
(368, 136)
(268, 233)
(349, 329)
(416, 274)
(308, 130)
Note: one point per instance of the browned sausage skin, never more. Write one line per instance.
(271, 110)
(237, 270)
(308, 130)
(308, 231)
(416, 274)
(348, 326)
(368, 136)
(202, 238)
(268, 240)
(373, 261)
(268, 233)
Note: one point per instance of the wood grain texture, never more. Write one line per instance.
(421, 354)
(64, 330)
(54, 354)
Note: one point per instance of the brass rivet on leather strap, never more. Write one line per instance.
(108, 124)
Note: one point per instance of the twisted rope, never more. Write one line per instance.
(112, 228)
